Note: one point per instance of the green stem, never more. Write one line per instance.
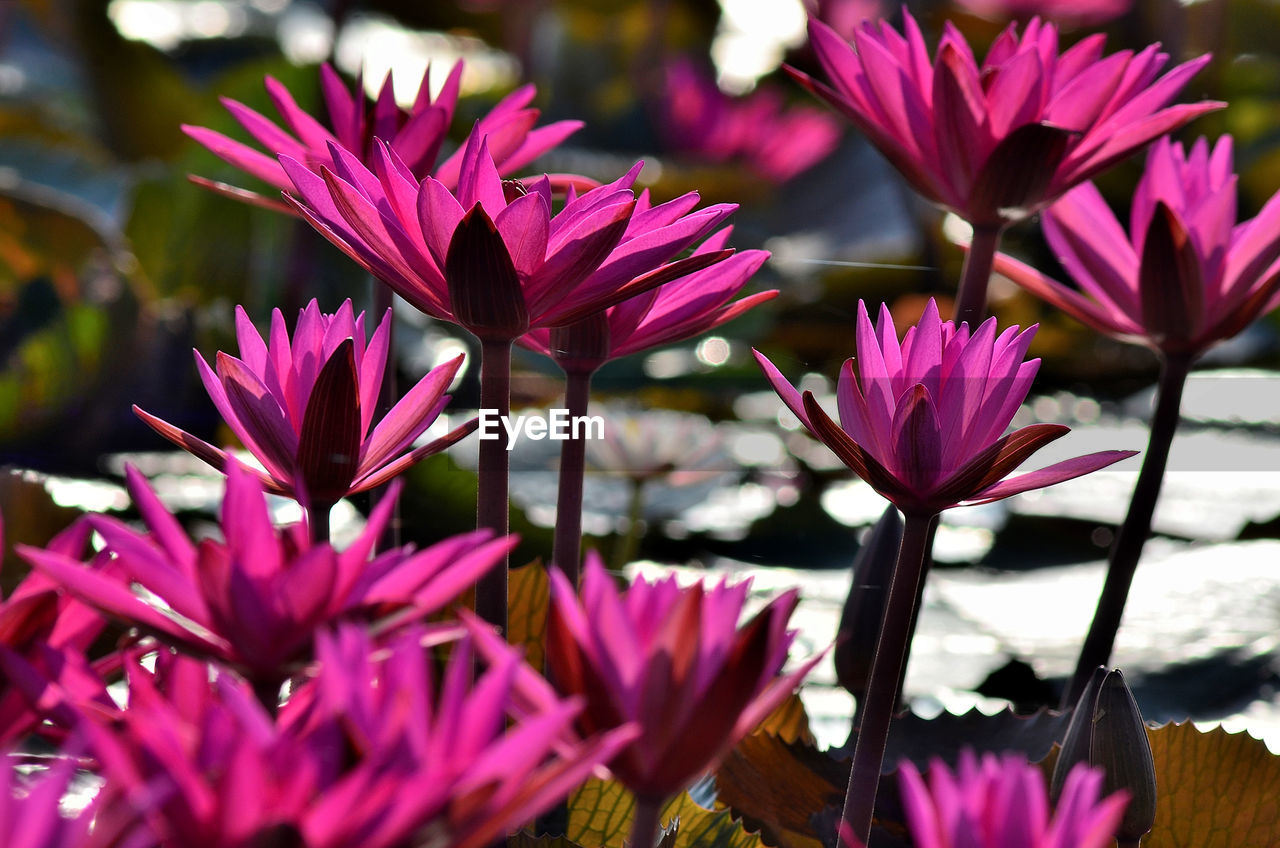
(886, 671)
(492, 506)
(629, 544)
(645, 822)
(1127, 549)
(971, 299)
(566, 552)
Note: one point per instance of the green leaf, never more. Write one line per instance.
(528, 598)
(600, 814)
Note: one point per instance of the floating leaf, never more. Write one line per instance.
(788, 721)
(528, 598)
(525, 839)
(600, 815)
(919, 739)
(777, 787)
(1214, 790)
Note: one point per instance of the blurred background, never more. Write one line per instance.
(113, 266)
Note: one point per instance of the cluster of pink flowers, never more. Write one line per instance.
(282, 690)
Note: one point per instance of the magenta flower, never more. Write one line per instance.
(996, 142)
(1002, 803)
(30, 816)
(304, 407)
(1069, 13)
(757, 130)
(255, 600)
(674, 661)
(438, 757)
(1185, 276)
(845, 16)
(43, 636)
(417, 136)
(492, 257)
(199, 763)
(685, 307)
(923, 421)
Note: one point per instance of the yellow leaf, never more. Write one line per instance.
(600, 814)
(528, 598)
(789, 722)
(1214, 790)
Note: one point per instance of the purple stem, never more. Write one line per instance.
(1127, 549)
(492, 507)
(566, 551)
(645, 821)
(886, 671)
(318, 522)
(971, 299)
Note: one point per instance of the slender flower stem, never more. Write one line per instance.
(566, 551)
(886, 670)
(971, 299)
(645, 822)
(318, 521)
(625, 551)
(494, 467)
(1137, 524)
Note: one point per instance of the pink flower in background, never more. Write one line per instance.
(1073, 13)
(923, 420)
(1002, 803)
(685, 307)
(996, 142)
(255, 600)
(674, 661)
(492, 257)
(304, 406)
(845, 16)
(417, 136)
(1185, 276)
(757, 129)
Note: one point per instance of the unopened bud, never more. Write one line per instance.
(864, 608)
(582, 346)
(484, 288)
(1107, 732)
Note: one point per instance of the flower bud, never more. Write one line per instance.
(863, 609)
(484, 289)
(1107, 731)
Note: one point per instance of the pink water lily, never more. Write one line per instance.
(417, 136)
(680, 309)
(44, 634)
(304, 407)
(439, 756)
(923, 421)
(673, 660)
(1001, 802)
(996, 142)
(1185, 276)
(32, 818)
(491, 256)
(757, 130)
(255, 600)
